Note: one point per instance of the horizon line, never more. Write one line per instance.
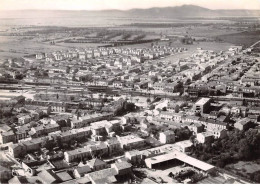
(117, 9)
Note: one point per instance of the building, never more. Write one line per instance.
(5, 173)
(243, 124)
(18, 180)
(122, 168)
(131, 142)
(81, 171)
(184, 146)
(167, 137)
(59, 107)
(213, 123)
(114, 146)
(178, 158)
(48, 177)
(105, 176)
(196, 128)
(97, 164)
(202, 105)
(133, 156)
(6, 137)
(25, 119)
(17, 150)
(205, 137)
(77, 155)
(45, 129)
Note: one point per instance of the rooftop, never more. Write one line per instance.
(182, 157)
(102, 174)
(202, 101)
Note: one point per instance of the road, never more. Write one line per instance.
(254, 44)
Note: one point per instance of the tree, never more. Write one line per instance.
(154, 78)
(19, 76)
(67, 69)
(193, 139)
(177, 109)
(220, 163)
(244, 150)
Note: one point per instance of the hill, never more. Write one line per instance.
(184, 11)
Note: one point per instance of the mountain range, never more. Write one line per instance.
(184, 11)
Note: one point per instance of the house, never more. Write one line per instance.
(105, 176)
(45, 129)
(30, 166)
(59, 107)
(114, 146)
(217, 132)
(129, 142)
(196, 128)
(118, 84)
(16, 150)
(167, 137)
(21, 133)
(6, 137)
(133, 156)
(64, 176)
(211, 123)
(18, 180)
(81, 171)
(48, 177)
(97, 164)
(34, 144)
(25, 119)
(184, 146)
(166, 116)
(40, 56)
(99, 150)
(77, 154)
(82, 180)
(5, 173)
(122, 168)
(5, 128)
(205, 137)
(254, 117)
(98, 128)
(243, 124)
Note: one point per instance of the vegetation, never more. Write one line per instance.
(236, 146)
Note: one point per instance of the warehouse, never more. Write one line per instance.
(176, 158)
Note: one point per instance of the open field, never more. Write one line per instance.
(243, 38)
(194, 31)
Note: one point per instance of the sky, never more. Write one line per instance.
(123, 4)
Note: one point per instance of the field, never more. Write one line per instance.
(23, 39)
(194, 31)
(244, 38)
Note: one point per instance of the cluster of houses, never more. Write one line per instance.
(99, 146)
(207, 121)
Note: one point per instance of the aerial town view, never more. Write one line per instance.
(129, 92)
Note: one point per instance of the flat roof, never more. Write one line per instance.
(182, 157)
(202, 101)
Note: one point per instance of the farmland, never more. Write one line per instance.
(246, 38)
